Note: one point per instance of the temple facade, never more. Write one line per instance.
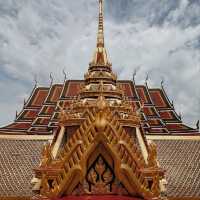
(99, 138)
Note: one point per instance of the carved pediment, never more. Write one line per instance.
(100, 142)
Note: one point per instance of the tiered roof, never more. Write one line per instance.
(40, 113)
(21, 142)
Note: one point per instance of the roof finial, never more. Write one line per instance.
(180, 115)
(147, 78)
(197, 125)
(51, 78)
(100, 36)
(65, 75)
(24, 102)
(134, 74)
(35, 80)
(16, 115)
(162, 82)
(172, 103)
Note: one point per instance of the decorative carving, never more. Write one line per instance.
(155, 186)
(96, 177)
(100, 179)
(46, 154)
(57, 175)
(101, 111)
(63, 115)
(152, 157)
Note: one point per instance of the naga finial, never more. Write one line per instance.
(16, 114)
(197, 125)
(134, 74)
(147, 78)
(51, 78)
(35, 80)
(65, 75)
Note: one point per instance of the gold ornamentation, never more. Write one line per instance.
(100, 157)
(100, 180)
(68, 171)
(46, 154)
(152, 157)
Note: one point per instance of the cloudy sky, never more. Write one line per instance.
(161, 38)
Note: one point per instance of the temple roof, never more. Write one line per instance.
(21, 142)
(180, 159)
(40, 113)
(18, 158)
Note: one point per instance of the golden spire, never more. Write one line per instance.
(100, 36)
(100, 57)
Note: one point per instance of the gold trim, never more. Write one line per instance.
(26, 137)
(173, 137)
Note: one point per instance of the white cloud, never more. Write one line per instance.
(12, 97)
(39, 37)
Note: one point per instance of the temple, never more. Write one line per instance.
(99, 138)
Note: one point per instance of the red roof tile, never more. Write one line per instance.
(71, 88)
(30, 114)
(47, 110)
(143, 94)
(37, 98)
(54, 94)
(158, 98)
(126, 87)
(43, 100)
(20, 125)
(169, 116)
(150, 111)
